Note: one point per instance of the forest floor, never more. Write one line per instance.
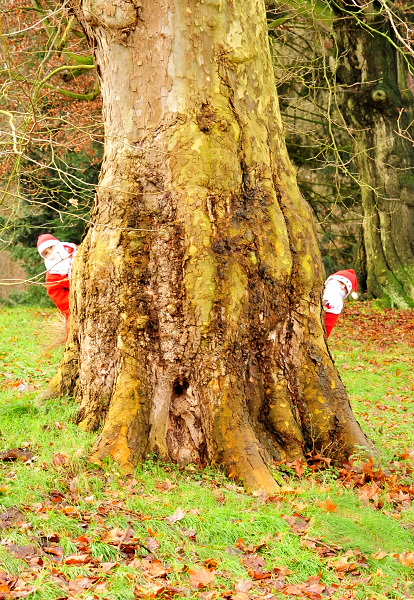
(71, 530)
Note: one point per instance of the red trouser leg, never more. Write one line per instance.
(330, 320)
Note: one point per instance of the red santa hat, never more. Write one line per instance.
(45, 241)
(347, 277)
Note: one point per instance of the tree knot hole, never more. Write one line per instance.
(180, 386)
(206, 118)
(379, 95)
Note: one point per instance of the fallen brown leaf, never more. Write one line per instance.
(200, 578)
(16, 454)
(254, 565)
(177, 516)
(166, 591)
(60, 459)
(22, 552)
(379, 555)
(251, 548)
(68, 510)
(406, 558)
(189, 533)
(165, 486)
(211, 563)
(298, 525)
(298, 466)
(370, 492)
(53, 550)
(243, 585)
(282, 572)
(119, 536)
(154, 567)
(329, 506)
(311, 588)
(107, 566)
(152, 544)
(12, 516)
(77, 559)
(82, 583)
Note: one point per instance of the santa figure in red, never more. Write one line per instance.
(337, 287)
(58, 257)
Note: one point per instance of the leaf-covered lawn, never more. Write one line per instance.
(71, 530)
(374, 352)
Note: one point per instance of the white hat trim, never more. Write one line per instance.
(344, 280)
(46, 244)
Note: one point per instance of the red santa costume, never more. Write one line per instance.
(337, 287)
(59, 265)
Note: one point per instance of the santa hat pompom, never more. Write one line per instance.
(354, 295)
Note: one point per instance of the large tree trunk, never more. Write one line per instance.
(196, 325)
(377, 103)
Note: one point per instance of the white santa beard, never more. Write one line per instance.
(334, 296)
(59, 261)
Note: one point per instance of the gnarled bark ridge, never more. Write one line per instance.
(196, 316)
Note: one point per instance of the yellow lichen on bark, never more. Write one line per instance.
(126, 412)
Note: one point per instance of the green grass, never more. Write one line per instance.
(92, 502)
(379, 378)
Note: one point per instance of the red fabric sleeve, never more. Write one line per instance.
(330, 320)
(58, 289)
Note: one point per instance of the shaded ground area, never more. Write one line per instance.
(69, 530)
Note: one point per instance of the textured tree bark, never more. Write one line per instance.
(196, 316)
(377, 102)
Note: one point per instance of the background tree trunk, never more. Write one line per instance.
(196, 315)
(377, 102)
